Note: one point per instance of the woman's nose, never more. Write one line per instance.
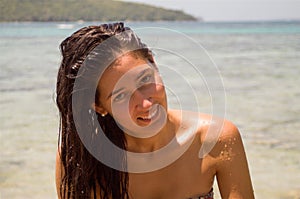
(142, 100)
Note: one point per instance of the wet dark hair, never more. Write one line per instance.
(82, 171)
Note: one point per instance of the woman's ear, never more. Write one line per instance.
(99, 109)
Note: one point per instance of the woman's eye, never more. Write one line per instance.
(146, 79)
(119, 97)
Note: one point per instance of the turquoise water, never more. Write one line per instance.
(259, 63)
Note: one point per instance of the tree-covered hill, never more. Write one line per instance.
(87, 10)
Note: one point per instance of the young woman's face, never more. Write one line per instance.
(133, 93)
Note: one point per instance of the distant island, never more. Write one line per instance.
(85, 10)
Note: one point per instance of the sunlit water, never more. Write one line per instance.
(259, 64)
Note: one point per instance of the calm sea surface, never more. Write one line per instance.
(258, 65)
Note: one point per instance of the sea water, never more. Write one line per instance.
(252, 69)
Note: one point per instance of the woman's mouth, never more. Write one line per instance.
(152, 114)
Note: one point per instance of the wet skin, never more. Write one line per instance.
(188, 175)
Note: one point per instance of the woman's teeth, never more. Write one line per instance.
(150, 116)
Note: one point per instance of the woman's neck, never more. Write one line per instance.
(162, 138)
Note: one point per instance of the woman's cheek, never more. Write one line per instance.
(122, 112)
(160, 89)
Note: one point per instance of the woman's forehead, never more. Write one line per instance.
(123, 65)
(126, 68)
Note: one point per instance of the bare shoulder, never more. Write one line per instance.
(229, 140)
(228, 131)
(208, 126)
(219, 135)
(213, 128)
(214, 132)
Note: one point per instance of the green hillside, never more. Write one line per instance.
(87, 10)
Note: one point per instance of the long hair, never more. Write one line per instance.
(82, 172)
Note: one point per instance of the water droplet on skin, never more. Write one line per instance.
(225, 145)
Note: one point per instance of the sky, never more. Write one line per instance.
(233, 10)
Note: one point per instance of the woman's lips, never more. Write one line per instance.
(153, 112)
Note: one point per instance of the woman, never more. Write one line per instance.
(108, 86)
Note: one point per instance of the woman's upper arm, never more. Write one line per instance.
(232, 169)
(58, 173)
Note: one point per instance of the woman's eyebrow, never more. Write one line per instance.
(114, 92)
(142, 73)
